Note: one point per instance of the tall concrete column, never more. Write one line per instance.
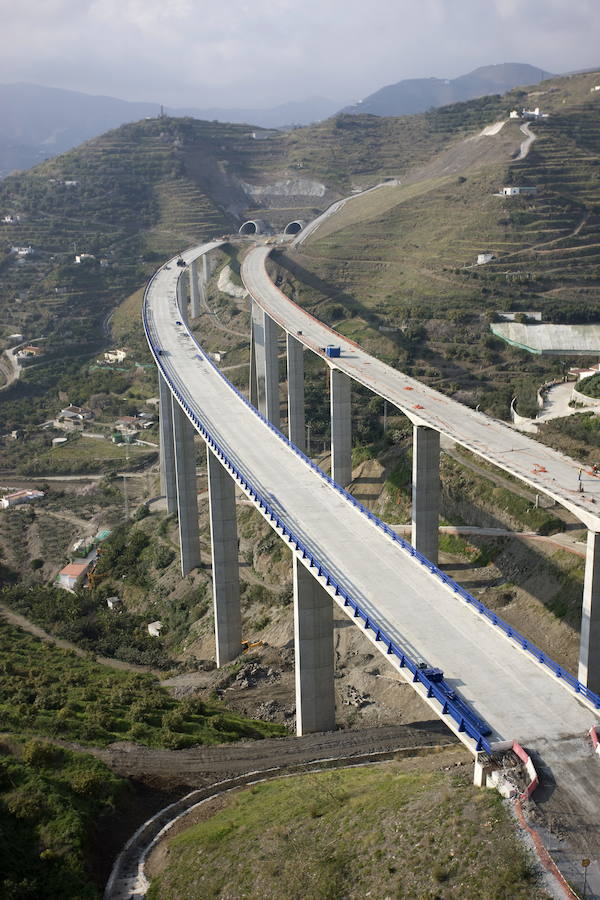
(194, 293)
(264, 336)
(187, 495)
(589, 650)
(252, 374)
(341, 427)
(426, 491)
(295, 377)
(182, 300)
(225, 569)
(168, 484)
(314, 659)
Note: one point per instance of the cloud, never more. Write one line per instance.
(258, 53)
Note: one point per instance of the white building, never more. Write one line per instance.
(20, 497)
(71, 183)
(515, 114)
(76, 412)
(22, 251)
(484, 258)
(115, 356)
(514, 190)
(154, 629)
(79, 258)
(11, 220)
(534, 114)
(113, 602)
(73, 574)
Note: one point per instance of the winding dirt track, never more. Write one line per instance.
(203, 765)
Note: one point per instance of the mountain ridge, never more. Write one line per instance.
(38, 122)
(417, 95)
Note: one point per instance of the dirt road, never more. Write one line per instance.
(199, 766)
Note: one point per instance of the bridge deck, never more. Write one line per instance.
(546, 470)
(517, 697)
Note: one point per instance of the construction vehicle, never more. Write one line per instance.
(250, 645)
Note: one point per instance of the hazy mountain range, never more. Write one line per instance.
(38, 122)
(415, 95)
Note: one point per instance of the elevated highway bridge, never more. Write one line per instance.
(497, 685)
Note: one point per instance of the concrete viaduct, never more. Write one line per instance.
(432, 415)
(501, 686)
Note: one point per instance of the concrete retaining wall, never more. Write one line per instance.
(578, 397)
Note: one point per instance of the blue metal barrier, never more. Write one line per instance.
(433, 690)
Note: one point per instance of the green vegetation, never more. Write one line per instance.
(82, 454)
(85, 620)
(496, 499)
(50, 804)
(45, 690)
(577, 435)
(590, 386)
(348, 834)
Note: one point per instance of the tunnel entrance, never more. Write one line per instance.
(250, 228)
(293, 227)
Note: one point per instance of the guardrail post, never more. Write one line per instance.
(314, 659)
(589, 648)
(187, 495)
(341, 427)
(225, 568)
(267, 365)
(194, 292)
(426, 491)
(295, 377)
(168, 485)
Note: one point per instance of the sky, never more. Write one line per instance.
(264, 52)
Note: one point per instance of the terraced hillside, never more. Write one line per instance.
(402, 262)
(143, 191)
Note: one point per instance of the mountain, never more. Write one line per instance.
(38, 122)
(416, 95)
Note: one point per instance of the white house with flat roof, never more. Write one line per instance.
(483, 258)
(515, 190)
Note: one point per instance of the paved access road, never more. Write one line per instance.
(546, 470)
(518, 698)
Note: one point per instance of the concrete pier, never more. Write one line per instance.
(314, 658)
(480, 771)
(182, 300)
(264, 339)
(194, 293)
(426, 491)
(168, 484)
(252, 372)
(589, 649)
(225, 567)
(341, 427)
(187, 495)
(295, 379)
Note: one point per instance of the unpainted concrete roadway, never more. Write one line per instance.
(546, 470)
(520, 699)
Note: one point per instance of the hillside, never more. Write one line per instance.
(416, 95)
(38, 122)
(403, 259)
